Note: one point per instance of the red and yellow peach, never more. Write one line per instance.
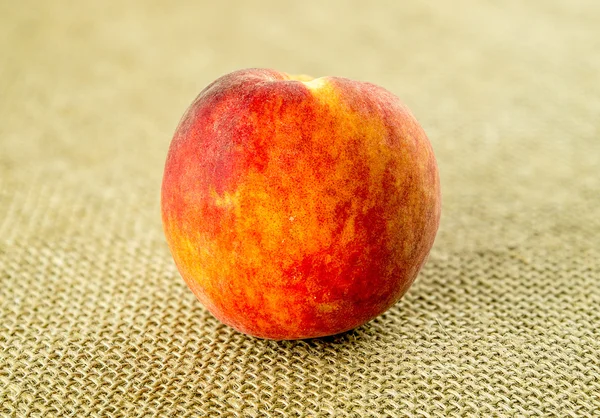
(298, 208)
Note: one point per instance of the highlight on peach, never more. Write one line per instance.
(297, 207)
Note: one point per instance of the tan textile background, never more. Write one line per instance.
(503, 321)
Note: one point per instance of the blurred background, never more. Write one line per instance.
(509, 95)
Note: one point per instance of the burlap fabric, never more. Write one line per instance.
(503, 321)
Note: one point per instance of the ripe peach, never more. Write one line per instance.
(298, 208)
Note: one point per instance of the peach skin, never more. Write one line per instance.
(296, 207)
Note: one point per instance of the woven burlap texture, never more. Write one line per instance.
(504, 319)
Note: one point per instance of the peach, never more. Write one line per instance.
(296, 207)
